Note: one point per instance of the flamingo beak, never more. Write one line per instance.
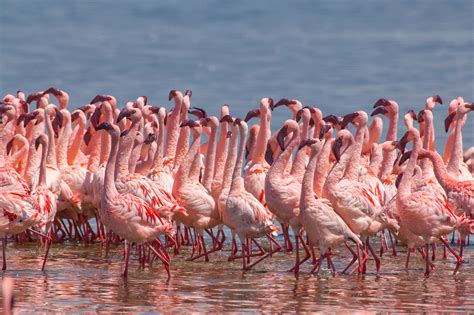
(299, 113)
(449, 120)
(229, 134)
(24, 106)
(281, 137)
(29, 117)
(251, 114)
(59, 117)
(9, 146)
(104, 126)
(334, 120)
(412, 114)
(381, 102)
(336, 148)
(237, 122)
(306, 142)
(379, 110)
(125, 113)
(227, 118)
(172, 95)
(324, 129)
(100, 98)
(403, 142)
(198, 112)
(150, 138)
(404, 157)
(437, 99)
(145, 99)
(33, 97)
(398, 180)
(95, 118)
(269, 154)
(188, 93)
(56, 92)
(283, 101)
(348, 119)
(37, 142)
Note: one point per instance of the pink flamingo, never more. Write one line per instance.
(323, 226)
(128, 216)
(419, 211)
(193, 196)
(221, 155)
(244, 213)
(283, 191)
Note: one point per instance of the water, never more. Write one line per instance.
(79, 278)
(338, 55)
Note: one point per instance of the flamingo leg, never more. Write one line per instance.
(427, 259)
(393, 243)
(408, 258)
(165, 262)
(458, 258)
(127, 256)
(376, 258)
(48, 244)
(354, 258)
(4, 247)
(298, 263)
(433, 267)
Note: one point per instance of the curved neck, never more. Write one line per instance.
(390, 156)
(221, 154)
(404, 188)
(307, 192)
(186, 166)
(126, 147)
(172, 128)
(34, 156)
(210, 158)
(376, 160)
(279, 165)
(425, 163)
(262, 138)
(144, 166)
(320, 173)
(76, 142)
(448, 147)
(158, 159)
(181, 147)
(237, 181)
(440, 171)
(42, 168)
(135, 156)
(299, 163)
(94, 157)
(337, 172)
(110, 191)
(230, 163)
(456, 155)
(352, 169)
(20, 157)
(63, 145)
(51, 158)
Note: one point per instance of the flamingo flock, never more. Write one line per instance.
(156, 180)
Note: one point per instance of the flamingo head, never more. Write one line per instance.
(325, 130)
(269, 154)
(42, 139)
(227, 118)
(290, 126)
(125, 113)
(30, 116)
(150, 138)
(333, 119)
(189, 123)
(305, 112)
(307, 142)
(101, 98)
(251, 114)
(198, 112)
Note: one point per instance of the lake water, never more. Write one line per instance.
(338, 55)
(79, 278)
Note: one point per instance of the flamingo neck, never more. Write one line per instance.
(94, 157)
(262, 138)
(456, 153)
(390, 156)
(186, 166)
(42, 168)
(404, 188)
(144, 166)
(376, 160)
(51, 158)
(158, 158)
(278, 167)
(126, 147)
(307, 192)
(448, 147)
(172, 128)
(182, 146)
(299, 164)
(210, 159)
(221, 155)
(237, 180)
(34, 156)
(76, 142)
(425, 164)
(110, 191)
(322, 168)
(230, 163)
(19, 159)
(352, 169)
(440, 170)
(63, 146)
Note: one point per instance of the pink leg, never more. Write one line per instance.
(458, 258)
(354, 258)
(393, 243)
(376, 258)
(48, 244)
(127, 256)
(4, 246)
(408, 258)
(427, 258)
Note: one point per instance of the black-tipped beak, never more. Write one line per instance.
(172, 95)
(59, 117)
(412, 114)
(281, 137)
(37, 143)
(403, 142)
(269, 154)
(334, 120)
(348, 119)
(188, 93)
(324, 129)
(229, 134)
(21, 118)
(198, 112)
(381, 102)
(100, 98)
(437, 99)
(237, 121)
(420, 117)
(54, 91)
(251, 114)
(336, 148)
(283, 101)
(33, 97)
(379, 110)
(125, 113)
(470, 106)
(299, 113)
(448, 121)
(405, 156)
(203, 122)
(227, 118)
(9, 146)
(24, 106)
(150, 138)
(29, 117)
(145, 99)
(105, 126)
(306, 142)
(398, 180)
(95, 118)
(189, 123)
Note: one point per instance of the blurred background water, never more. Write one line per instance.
(338, 55)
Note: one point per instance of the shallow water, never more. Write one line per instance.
(78, 278)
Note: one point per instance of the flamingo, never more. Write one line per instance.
(125, 214)
(193, 196)
(323, 226)
(420, 212)
(244, 213)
